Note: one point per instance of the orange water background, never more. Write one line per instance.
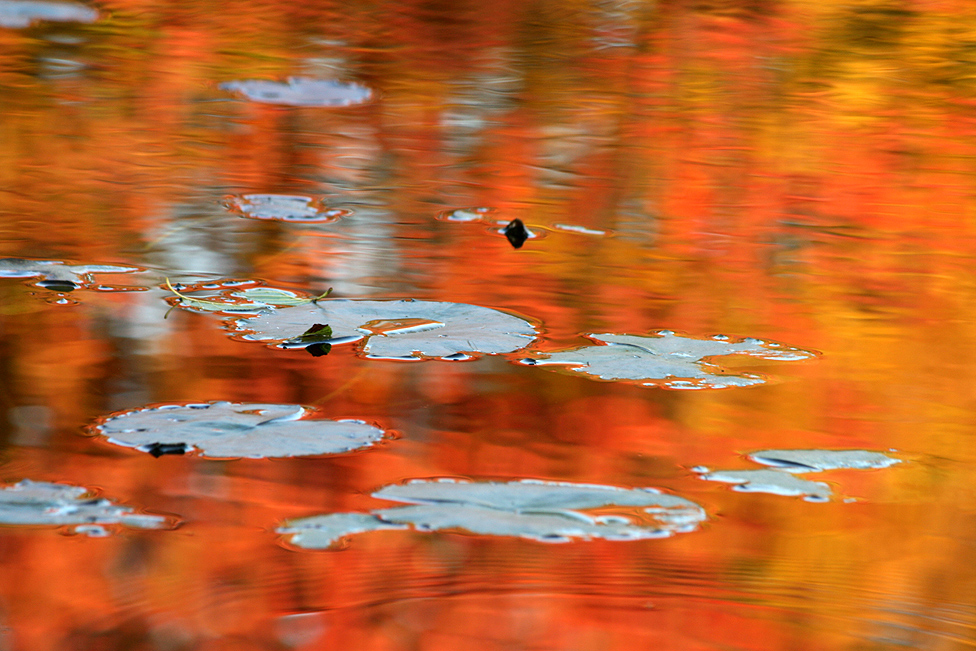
(796, 171)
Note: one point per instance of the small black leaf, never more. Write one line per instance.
(516, 233)
(159, 449)
(318, 350)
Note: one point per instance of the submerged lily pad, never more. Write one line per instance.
(302, 91)
(285, 208)
(42, 503)
(538, 510)
(398, 329)
(667, 359)
(233, 430)
(782, 480)
(56, 274)
(22, 13)
(800, 461)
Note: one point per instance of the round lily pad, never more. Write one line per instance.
(284, 208)
(42, 503)
(538, 510)
(666, 359)
(302, 91)
(56, 274)
(234, 430)
(398, 329)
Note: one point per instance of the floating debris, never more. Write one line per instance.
(16, 14)
(537, 510)
(42, 503)
(284, 208)
(302, 91)
(235, 430)
(516, 233)
(668, 360)
(397, 329)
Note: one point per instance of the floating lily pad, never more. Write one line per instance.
(468, 215)
(285, 208)
(399, 329)
(667, 359)
(302, 91)
(41, 503)
(233, 299)
(22, 13)
(538, 510)
(801, 461)
(581, 230)
(56, 274)
(771, 481)
(233, 430)
(781, 480)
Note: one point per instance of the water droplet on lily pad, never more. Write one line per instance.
(302, 91)
(285, 208)
(55, 274)
(22, 13)
(399, 329)
(537, 510)
(666, 359)
(235, 430)
(42, 503)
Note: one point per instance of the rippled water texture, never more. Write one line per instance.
(589, 325)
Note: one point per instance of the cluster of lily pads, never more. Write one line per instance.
(403, 329)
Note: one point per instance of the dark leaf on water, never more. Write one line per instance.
(516, 233)
(59, 285)
(159, 449)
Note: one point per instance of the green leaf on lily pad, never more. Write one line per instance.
(397, 329)
(42, 503)
(537, 510)
(667, 359)
(235, 430)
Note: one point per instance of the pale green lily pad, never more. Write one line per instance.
(42, 503)
(666, 359)
(801, 461)
(235, 300)
(537, 510)
(23, 13)
(402, 329)
(771, 481)
(302, 91)
(56, 271)
(284, 208)
(235, 430)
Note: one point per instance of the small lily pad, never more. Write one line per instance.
(402, 329)
(666, 359)
(23, 13)
(239, 301)
(537, 510)
(234, 430)
(771, 481)
(42, 503)
(581, 230)
(57, 275)
(302, 91)
(801, 461)
(284, 208)
(468, 215)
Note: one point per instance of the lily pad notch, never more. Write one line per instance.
(544, 511)
(233, 430)
(666, 359)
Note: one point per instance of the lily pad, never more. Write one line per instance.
(234, 300)
(23, 13)
(284, 208)
(56, 274)
(302, 91)
(667, 359)
(800, 461)
(42, 503)
(397, 329)
(537, 510)
(771, 481)
(581, 230)
(468, 215)
(234, 430)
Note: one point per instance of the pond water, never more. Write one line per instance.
(651, 325)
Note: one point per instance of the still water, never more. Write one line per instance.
(722, 396)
